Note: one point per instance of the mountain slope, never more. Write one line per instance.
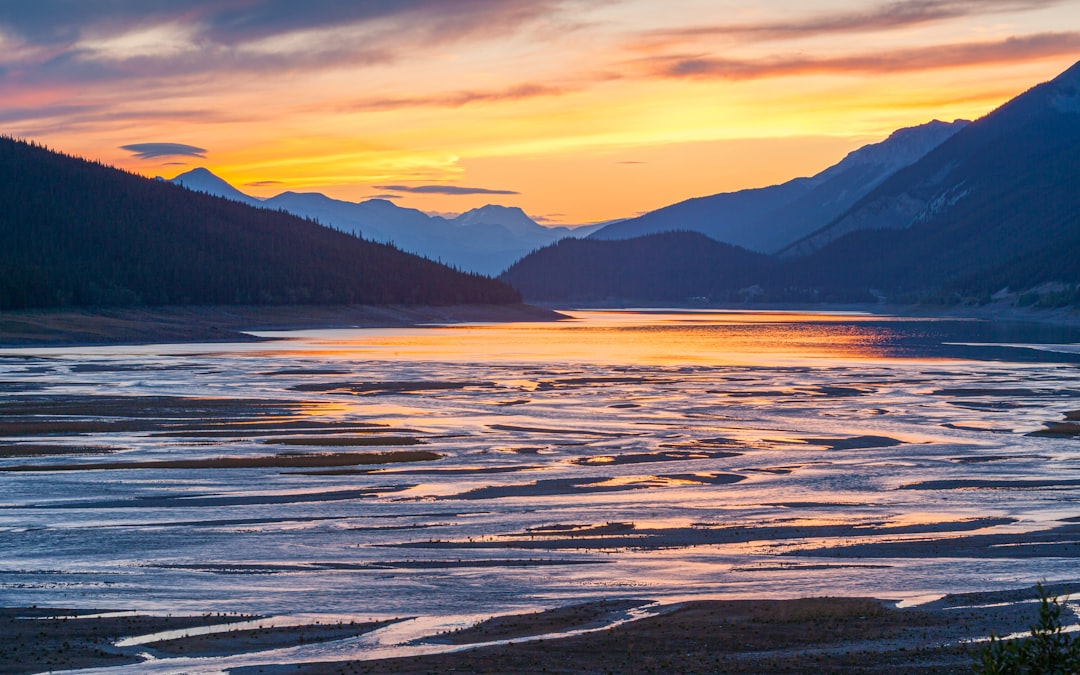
(485, 240)
(74, 232)
(202, 180)
(666, 267)
(770, 218)
(996, 205)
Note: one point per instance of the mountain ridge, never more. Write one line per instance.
(78, 233)
(992, 212)
(769, 218)
(484, 240)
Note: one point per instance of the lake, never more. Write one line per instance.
(451, 472)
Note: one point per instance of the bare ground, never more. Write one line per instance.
(132, 325)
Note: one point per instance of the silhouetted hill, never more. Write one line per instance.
(73, 232)
(666, 267)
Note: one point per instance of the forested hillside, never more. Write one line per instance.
(667, 267)
(74, 232)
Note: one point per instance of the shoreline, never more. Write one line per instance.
(835, 634)
(114, 326)
(1060, 316)
(99, 326)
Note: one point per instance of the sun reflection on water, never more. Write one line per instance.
(620, 337)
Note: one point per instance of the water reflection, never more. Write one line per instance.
(693, 338)
(615, 454)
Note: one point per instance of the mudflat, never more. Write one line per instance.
(131, 325)
(821, 634)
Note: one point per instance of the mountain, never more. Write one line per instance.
(512, 219)
(202, 180)
(674, 267)
(770, 218)
(485, 240)
(993, 211)
(74, 232)
(995, 206)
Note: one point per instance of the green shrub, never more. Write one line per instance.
(1049, 651)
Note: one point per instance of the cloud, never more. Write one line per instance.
(96, 41)
(385, 196)
(549, 218)
(263, 183)
(44, 112)
(444, 190)
(631, 161)
(893, 15)
(155, 150)
(1010, 50)
(458, 99)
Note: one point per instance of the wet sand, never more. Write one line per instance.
(824, 634)
(849, 635)
(255, 639)
(619, 536)
(279, 461)
(34, 640)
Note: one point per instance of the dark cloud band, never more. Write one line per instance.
(897, 61)
(888, 16)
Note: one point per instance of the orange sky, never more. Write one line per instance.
(575, 110)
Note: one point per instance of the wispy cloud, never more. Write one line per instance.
(555, 218)
(444, 190)
(263, 183)
(155, 150)
(889, 16)
(900, 60)
(457, 99)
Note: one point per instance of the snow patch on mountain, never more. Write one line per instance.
(942, 202)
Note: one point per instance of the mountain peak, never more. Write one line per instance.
(198, 172)
(510, 217)
(1066, 97)
(201, 179)
(903, 147)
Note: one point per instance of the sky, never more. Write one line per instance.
(577, 111)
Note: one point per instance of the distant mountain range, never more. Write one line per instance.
(485, 240)
(76, 233)
(770, 218)
(992, 209)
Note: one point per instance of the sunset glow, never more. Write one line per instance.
(576, 111)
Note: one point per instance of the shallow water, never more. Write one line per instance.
(660, 455)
